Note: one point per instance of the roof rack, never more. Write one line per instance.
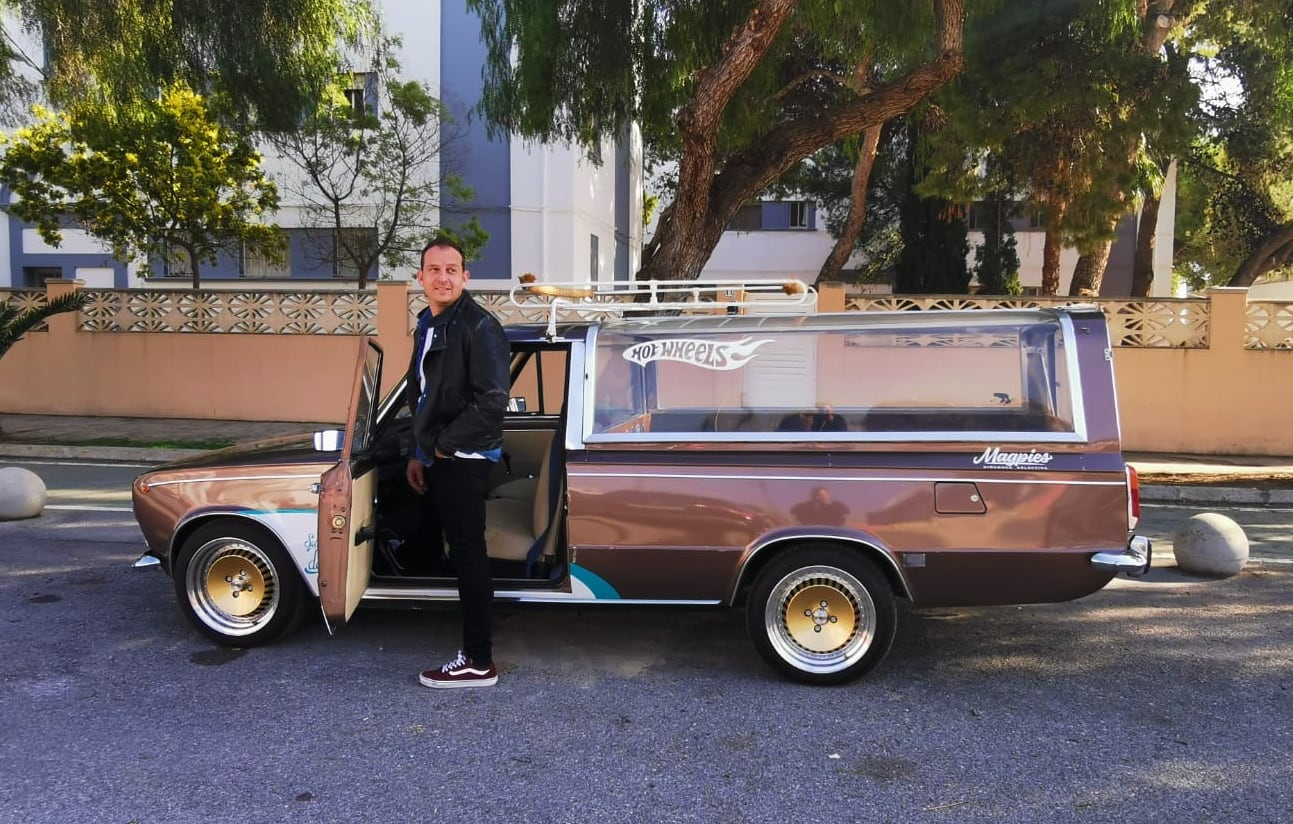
(621, 297)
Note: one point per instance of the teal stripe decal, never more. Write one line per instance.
(596, 584)
(314, 512)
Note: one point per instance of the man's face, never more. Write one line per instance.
(442, 277)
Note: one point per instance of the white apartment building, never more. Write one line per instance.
(549, 209)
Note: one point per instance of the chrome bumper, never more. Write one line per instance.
(1134, 560)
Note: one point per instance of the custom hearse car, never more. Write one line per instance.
(811, 469)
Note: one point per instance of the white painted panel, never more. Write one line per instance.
(75, 242)
(783, 375)
(96, 277)
(1165, 237)
(6, 260)
(770, 254)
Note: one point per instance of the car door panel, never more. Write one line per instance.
(346, 501)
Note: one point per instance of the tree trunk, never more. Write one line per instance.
(1088, 274)
(1273, 252)
(1142, 270)
(680, 254)
(856, 218)
(193, 262)
(711, 189)
(1051, 257)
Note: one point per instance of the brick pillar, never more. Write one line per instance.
(830, 297)
(65, 324)
(1227, 318)
(393, 332)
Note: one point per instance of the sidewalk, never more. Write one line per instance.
(58, 436)
(1164, 478)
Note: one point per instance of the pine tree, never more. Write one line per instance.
(935, 244)
(996, 260)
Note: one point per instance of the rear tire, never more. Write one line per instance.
(821, 615)
(237, 584)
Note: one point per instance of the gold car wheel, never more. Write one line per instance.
(232, 586)
(820, 619)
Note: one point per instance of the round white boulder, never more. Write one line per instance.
(1210, 544)
(22, 493)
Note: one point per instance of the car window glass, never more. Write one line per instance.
(368, 396)
(923, 376)
(539, 385)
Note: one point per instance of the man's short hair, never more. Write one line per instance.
(445, 242)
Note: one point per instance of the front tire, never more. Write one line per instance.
(237, 584)
(821, 615)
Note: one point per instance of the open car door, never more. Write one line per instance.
(346, 499)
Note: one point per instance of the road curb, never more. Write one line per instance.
(1204, 495)
(116, 454)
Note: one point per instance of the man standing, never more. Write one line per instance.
(457, 393)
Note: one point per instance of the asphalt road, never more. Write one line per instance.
(1163, 700)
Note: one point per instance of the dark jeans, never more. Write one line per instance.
(456, 492)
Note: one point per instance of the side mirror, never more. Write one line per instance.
(328, 440)
(516, 404)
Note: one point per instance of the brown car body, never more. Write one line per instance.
(811, 468)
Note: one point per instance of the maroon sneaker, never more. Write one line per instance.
(460, 672)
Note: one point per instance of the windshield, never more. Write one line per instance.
(366, 413)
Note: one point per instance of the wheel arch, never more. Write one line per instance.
(192, 524)
(764, 553)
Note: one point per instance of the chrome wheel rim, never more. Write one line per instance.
(232, 586)
(820, 619)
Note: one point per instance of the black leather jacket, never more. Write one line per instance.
(467, 382)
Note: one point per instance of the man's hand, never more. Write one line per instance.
(416, 475)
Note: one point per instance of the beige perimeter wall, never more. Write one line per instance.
(1221, 383)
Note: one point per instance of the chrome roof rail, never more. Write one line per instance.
(621, 297)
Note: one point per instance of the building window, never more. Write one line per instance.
(348, 248)
(1035, 219)
(175, 263)
(798, 214)
(35, 276)
(772, 215)
(749, 218)
(255, 264)
(594, 258)
(361, 94)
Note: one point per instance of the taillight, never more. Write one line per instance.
(1133, 497)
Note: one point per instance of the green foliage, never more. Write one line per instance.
(650, 202)
(934, 249)
(261, 60)
(996, 260)
(388, 169)
(1052, 92)
(736, 91)
(166, 179)
(1234, 185)
(584, 69)
(15, 324)
(827, 177)
(934, 241)
(467, 233)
